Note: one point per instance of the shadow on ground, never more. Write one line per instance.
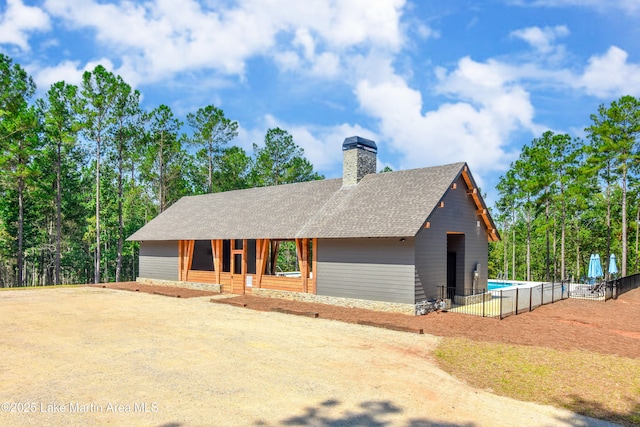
(595, 409)
(371, 414)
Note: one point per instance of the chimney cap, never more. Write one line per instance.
(359, 142)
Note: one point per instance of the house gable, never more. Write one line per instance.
(455, 226)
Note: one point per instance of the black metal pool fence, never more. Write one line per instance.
(501, 303)
(625, 284)
(504, 302)
(604, 291)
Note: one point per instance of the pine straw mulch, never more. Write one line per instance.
(611, 327)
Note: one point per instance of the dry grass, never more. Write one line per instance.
(40, 287)
(592, 384)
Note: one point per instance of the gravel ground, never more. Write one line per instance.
(109, 357)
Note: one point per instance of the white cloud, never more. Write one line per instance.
(288, 60)
(542, 39)
(488, 108)
(18, 21)
(610, 75)
(68, 71)
(304, 39)
(489, 104)
(426, 32)
(475, 80)
(326, 64)
(322, 145)
(160, 38)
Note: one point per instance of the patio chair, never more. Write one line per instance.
(598, 288)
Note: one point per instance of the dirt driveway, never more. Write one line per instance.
(91, 356)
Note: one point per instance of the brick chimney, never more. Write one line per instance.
(359, 159)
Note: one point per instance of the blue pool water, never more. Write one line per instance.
(493, 285)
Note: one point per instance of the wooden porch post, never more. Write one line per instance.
(185, 258)
(180, 259)
(302, 249)
(216, 249)
(244, 266)
(190, 246)
(314, 266)
(305, 265)
(261, 253)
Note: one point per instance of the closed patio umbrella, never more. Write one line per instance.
(613, 268)
(595, 268)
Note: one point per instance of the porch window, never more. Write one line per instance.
(226, 256)
(283, 258)
(251, 256)
(202, 256)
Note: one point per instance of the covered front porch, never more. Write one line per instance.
(241, 265)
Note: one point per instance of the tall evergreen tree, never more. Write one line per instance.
(234, 170)
(60, 136)
(280, 161)
(127, 131)
(164, 155)
(18, 141)
(97, 101)
(212, 131)
(614, 134)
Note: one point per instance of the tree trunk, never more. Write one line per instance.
(513, 248)
(528, 245)
(210, 180)
(578, 250)
(555, 250)
(637, 227)
(548, 261)
(105, 276)
(20, 230)
(562, 243)
(623, 269)
(504, 253)
(608, 219)
(120, 220)
(161, 195)
(97, 260)
(58, 214)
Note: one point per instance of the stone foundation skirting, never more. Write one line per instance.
(426, 307)
(391, 307)
(472, 299)
(178, 284)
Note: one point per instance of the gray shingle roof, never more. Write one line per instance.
(390, 204)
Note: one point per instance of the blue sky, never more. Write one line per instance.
(432, 82)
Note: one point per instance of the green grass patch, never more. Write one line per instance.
(592, 384)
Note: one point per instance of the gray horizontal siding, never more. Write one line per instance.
(419, 292)
(370, 269)
(159, 260)
(431, 263)
(457, 216)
